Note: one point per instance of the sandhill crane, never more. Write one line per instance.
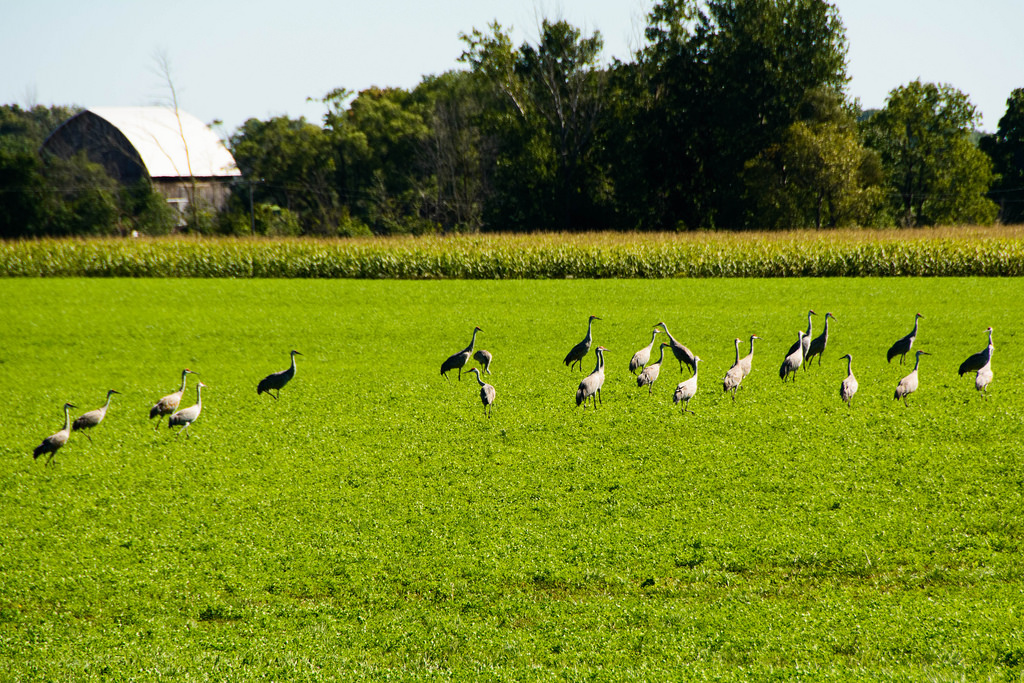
(849, 386)
(278, 379)
(983, 379)
(93, 417)
(805, 341)
(908, 384)
(903, 345)
(486, 393)
(747, 361)
(650, 373)
(590, 386)
(642, 357)
(484, 357)
(817, 345)
(794, 360)
(580, 351)
(980, 359)
(169, 403)
(457, 361)
(740, 369)
(186, 416)
(687, 389)
(53, 442)
(682, 354)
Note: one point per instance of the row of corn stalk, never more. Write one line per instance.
(515, 258)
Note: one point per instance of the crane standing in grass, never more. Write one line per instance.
(457, 361)
(642, 357)
(804, 341)
(186, 416)
(740, 369)
(484, 357)
(53, 442)
(590, 386)
(687, 389)
(795, 358)
(903, 345)
(650, 374)
(682, 354)
(983, 379)
(579, 352)
(977, 361)
(93, 417)
(277, 380)
(817, 345)
(849, 386)
(908, 384)
(487, 393)
(169, 403)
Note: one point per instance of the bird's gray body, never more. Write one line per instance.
(849, 385)
(983, 379)
(457, 361)
(484, 357)
(54, 442)
(816, 347)
(977, 361)
(169, 403)
(93, 417)
(278, 379)
(186, 416)
(682, 354)
(487, 392)
(579, 352)
(650, 373)
(794, 360)
(805, 341)
(687, 389)
(908, 384)
(903, 345)
(642, 357)
(590, 386)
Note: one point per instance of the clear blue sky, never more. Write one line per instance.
(236, 59)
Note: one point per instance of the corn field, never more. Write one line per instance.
(969, 251)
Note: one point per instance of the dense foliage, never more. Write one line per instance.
(732, 115)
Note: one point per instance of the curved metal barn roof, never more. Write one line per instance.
(155, 134)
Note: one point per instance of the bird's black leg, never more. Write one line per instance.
(88, 437)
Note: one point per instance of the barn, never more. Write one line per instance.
(175, 150)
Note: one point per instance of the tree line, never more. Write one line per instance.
(733, 115)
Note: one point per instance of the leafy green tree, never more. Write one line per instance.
(1006, 149)
(818, 174)
(290, 163)
(378, 141)
(934, 170)
(725, 81)
(543, 130)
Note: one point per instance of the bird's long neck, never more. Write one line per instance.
(199, 395)
(751, 346)
(849, 366)
(917, 362)
(293, 363)
(914, 333)
(826, 325)
(597, 367)
(109, 394)
(67, 418)
(696, 366)
(184, 376)
(600, 360)
(990, 339)
(472, 343)
(590, 328)
(654, 336)
(661, 354)
(667, 333)
(808, 325)
(479, 381)
(737, 350)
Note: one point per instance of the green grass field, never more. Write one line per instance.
(373, 524)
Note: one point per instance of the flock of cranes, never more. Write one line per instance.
(800, 354)
(167, 405)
